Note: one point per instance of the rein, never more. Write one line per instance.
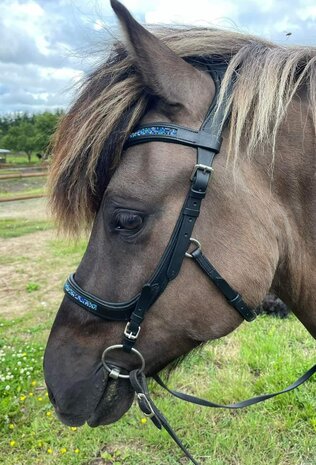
(207, 142)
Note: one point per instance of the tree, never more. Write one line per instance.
(45, 126)
(28, 133)
(21, 138)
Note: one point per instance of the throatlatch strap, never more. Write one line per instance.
(232, 296)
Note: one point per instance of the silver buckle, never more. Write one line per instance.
(204, 168)
(141, 396)
(198, 247)
(129, 334)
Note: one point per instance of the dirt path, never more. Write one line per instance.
(35, 208)
(32, 270)
(20, 269)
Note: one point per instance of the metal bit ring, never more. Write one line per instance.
(115, 372)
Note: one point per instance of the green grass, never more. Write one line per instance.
(22, 159)
(16, 187)
(30, 192)
(262, 356)
(12, 227)
(10, 170)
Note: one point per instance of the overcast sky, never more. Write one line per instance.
(42, 42)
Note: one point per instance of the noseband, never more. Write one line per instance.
(207, 142)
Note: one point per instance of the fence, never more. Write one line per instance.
(19, 176)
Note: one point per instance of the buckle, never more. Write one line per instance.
(129, 334)
(198, 247)
(144, 405)
(204, 168)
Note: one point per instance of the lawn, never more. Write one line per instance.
(10, 188)
(16, 227)
(262, 356)
(22, 159)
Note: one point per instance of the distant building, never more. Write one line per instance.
(3, 155)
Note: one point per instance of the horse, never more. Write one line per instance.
(123, 161)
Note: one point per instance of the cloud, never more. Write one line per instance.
(38, 48)
(178, 11)
(43, 41)
(37, 89)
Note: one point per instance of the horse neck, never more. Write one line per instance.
(294, 189)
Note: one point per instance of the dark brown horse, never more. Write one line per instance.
(258, 224)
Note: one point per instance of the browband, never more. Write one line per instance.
(175, 134)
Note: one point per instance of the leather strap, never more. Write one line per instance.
(238, 405)
(207, 141)
(232, 297)
(180, 135)
(115, 311)
(147, 406)
(149, 409)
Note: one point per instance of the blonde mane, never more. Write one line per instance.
(89, 141)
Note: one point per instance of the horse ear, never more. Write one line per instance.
(164, 73)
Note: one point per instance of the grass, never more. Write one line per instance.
(30, 192)
(22, 159)
(15, 227)
(263, 356)
(10, 188)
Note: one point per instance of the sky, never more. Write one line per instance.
(46, 46)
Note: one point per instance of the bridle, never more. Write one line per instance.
(207, 141)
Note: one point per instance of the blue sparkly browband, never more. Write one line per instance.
(154, 131)
(175, 134)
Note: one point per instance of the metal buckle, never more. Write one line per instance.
(204, 168)
(142, 397)
(197, 243)
(129, 334)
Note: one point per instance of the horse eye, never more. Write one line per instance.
(128, 221)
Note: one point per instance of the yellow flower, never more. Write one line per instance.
(143, 421)
(33, 383)
(48, 414)
(63, 450)
(46, 394)
(12, 443)
(22, 398)
(40, 399)
(11, 426)
(73, 428)
(49, 451)
(76, 451)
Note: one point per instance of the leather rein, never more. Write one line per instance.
(207, 142)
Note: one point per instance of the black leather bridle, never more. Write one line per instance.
(207, 141)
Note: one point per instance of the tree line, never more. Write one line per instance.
(28, 133)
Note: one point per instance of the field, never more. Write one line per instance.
(10, 188)
(21, 158)
(260, 357)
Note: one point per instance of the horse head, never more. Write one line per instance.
(135, 196)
